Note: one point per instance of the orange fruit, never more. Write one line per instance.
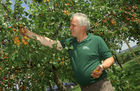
(47, 1)
(5, 56)
(20, 25)
(23, 31)
(14, 29)
(55, 4)
(134, 15)
(26, 38)
(9, 27)
(24, 42)
(62, 59)
(113, 21)
(132, 19)
(127, 18)
(16, 41)
(95, 31)
(105, 20)
(96, 71)
(62, 62)
(67, 4)
(135, 6)
(66, 12)
(16, 38)
(2, 84)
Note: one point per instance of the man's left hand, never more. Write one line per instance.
(97, 72)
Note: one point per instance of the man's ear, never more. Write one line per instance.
(83, 27)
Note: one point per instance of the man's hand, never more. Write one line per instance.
(43, 40)
(97, 72)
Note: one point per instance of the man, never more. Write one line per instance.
(86, 55)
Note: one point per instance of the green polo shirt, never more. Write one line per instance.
(86, 56)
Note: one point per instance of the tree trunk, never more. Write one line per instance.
(116, 58)
(58, 82)
(50, 87)
(132, 51)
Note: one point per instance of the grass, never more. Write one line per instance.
(76, 88)
(134, 67)
(134, 78)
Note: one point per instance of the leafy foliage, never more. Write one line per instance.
(119, 80)
(26, 62)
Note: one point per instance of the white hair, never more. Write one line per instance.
(82, 20)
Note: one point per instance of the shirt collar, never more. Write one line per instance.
(86, 39)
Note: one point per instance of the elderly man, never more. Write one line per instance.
(86, 55)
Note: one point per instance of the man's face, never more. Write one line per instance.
(75, 28)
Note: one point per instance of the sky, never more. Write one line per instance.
(23, 4)
(124, 46)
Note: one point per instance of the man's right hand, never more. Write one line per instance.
(97, 72)
(44, 40)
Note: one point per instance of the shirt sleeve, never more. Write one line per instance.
(62, 43)
(65, 42)
(104, 51)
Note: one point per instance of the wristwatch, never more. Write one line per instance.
(102, 66)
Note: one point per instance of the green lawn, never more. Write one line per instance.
(133, 66)
(76, 88)
(134, 78)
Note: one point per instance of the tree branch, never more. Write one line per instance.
(56, 32)
(5, 7)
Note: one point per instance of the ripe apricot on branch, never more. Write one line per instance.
(105, 21)
(127, 18)
(55, 4)
(113, 21)
(47, 1)
(66, 12)
(16, 41)
(96, 71)
(62, 59)
(62, 62)
(135, 6)
(14, 29)
(24, 42)
(67, 4)
(20, 25)
(2, 84)
(23, 31)
(134, 15)
(9, 27)
(26, 38)
(5, 56)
